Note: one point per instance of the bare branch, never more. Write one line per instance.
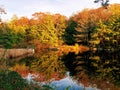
(104, 3)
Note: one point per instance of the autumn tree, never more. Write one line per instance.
(107, 34)
(9, 39)
(70, 32)
(44, 29)
(86, 23)
(60, 23)
(19, 25)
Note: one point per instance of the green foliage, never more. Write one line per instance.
(9, 39)
(107, 35)
(50, 63)
(70, 31)
(46, 63)
(60, 24)
(46, 28)
(48, 32)
(97, 28)
(43, 31)
(11, 80)
(67, 88)
(48, 87)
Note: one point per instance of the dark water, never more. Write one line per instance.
(87, 71)
(101, 69)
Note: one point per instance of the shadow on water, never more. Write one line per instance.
(100, 69)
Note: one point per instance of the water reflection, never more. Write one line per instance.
(69, 83)
(48, 65)
(66, 83)
(88, 69)
(99, 69)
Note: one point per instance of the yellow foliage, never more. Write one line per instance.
(21, 68)
(76, 49)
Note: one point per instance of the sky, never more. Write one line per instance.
(28, 7)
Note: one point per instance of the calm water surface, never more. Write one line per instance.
(85, 71)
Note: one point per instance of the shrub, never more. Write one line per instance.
(11, 80)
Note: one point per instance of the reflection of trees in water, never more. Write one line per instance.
(48, 65)
(102, 69)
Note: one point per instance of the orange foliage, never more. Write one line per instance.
(91, 17)
(21, 69)
(83, 48)
(32, 22)
(94, 14)
(84, 79)
(58, 17)
(39, 16)
(42, 77)
(22, 21)
(76, 49)
(56, 76)
(39, 47)
(24, 71)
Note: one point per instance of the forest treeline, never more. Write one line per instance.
(96, 28)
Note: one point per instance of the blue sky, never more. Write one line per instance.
(28, 7)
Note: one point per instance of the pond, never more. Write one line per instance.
(85, 71)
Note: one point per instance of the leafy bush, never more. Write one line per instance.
(11, 80)
(9, 39)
